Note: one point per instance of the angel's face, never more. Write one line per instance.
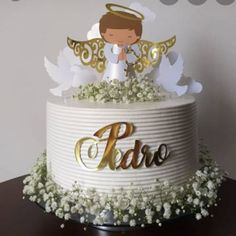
(120, 36)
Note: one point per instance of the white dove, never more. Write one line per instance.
(169, 75)
(68, 72)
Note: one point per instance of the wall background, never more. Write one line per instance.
(31, 29)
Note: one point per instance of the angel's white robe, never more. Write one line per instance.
(116, 69)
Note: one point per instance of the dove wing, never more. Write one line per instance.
(52, 70)
(64, 67)
(70, 57)
(177, 69)
(164, 67)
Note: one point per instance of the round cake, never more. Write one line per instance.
(122, 145)
(168, 126)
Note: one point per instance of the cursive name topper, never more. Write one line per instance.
(112, 157)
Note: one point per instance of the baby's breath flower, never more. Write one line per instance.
(189, 199)
(166, 183)
(82, 219)
(54, 206)
(210, 185)
(196, 201)
(40, 185)
(210, 194)
(132, 223)
(131, 211)
(177, 211)
(130, 90)
(66, 207)
(125, 218)
(47, 209)
(198, 193)
(149, 212)
(195, 185)
(59, 213)
(204, 212)
(158, 208)
(67, 216)
(198, 216)
(181, 189)
(199, 173)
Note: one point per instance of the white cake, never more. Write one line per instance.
(171, 122)
(122, 145)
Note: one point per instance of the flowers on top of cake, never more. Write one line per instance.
(128, 91)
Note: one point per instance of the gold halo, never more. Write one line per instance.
(109, 8)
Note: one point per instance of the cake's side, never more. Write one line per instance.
(171, 122)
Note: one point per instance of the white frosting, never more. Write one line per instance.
(171, 122)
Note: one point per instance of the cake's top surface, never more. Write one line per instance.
(84, 104)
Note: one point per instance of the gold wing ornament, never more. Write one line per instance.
(91, 53)
(151, 53)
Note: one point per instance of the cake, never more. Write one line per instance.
(122, 148)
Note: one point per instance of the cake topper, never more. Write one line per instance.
(68, 72)
(120, 53)
(115, 50)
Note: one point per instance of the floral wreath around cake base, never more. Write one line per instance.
(125, 207)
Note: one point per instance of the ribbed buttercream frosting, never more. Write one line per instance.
(172, 122)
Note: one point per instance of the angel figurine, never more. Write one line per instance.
(120, 31)
(120, 53)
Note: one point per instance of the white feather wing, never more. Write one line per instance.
(64, 67)
(70, 57)
(169, 75)
(82, 76)
(164, 68)
(177, 69)
(52, 70)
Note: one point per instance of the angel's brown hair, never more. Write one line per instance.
(120, 21)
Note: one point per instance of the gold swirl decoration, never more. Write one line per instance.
(91, 53)
(151, 53)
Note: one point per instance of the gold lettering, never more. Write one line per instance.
(147, 155)
(91, 155)
(112, 156)
(111, 141)
(134, 159)
(161, 154)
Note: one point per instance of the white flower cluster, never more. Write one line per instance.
(130, 90)
(133, 207)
